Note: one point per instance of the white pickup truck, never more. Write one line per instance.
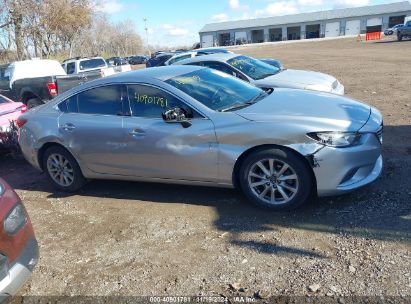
(80, 65)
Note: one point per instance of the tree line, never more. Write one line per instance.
(61, 29)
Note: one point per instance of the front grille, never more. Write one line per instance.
(3, 266)
(380, 132)
(335, 84)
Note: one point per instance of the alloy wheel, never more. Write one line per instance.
(60, 170)
(273, 181)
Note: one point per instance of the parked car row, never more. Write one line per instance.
(133, 60)
(162, 58)
(266, 73)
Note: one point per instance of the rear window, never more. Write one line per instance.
(92, 64)
(177, 59)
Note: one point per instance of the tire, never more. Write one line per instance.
(34, 102)
(399, 37)
(286, 190)
(56, 159)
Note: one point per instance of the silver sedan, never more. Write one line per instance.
(199, 126)
(266, 76)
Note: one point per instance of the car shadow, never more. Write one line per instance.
(380, 211)
(393, 41)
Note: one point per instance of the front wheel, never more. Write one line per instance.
(276, 179)
(399, 37)
(62, 169)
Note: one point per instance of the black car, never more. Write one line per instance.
(117, 61)
(137, 60)
(159, 60)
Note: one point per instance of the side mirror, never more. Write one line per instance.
(176, 115)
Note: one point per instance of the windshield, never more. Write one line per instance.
(216, 90)
(92, 64)
(254, 68)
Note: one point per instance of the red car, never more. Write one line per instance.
(18, 246)
(9, 111)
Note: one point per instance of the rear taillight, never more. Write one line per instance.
(22, 109)
(51, 86)
(20, 122)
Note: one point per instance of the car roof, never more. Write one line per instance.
(81, 58)
(183, 54)
(147, 75)
(158, 73)
(223, 57)
(213, 50)
(165, 54)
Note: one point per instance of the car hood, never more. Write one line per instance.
(297, 78)
(309, 108)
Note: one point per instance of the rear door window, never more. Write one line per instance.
(71, 67)
(106, 100)
(69, 105)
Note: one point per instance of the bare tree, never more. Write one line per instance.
(59, 28)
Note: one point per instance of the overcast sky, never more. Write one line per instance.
(177, 22)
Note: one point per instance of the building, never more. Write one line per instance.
(331, 23)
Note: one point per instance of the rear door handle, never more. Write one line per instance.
(68, 127)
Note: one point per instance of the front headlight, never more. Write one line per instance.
(15, 220)
(318, 87)
(337, 139)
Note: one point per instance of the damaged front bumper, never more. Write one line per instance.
(341, 170)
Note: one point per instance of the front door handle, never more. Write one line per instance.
(68, 127)
(137, 132)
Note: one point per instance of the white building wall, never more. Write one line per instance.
(363, 27)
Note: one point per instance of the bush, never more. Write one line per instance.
(9, 144)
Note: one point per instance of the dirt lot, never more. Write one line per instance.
(124, 238)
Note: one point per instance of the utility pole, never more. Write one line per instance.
(146, 29)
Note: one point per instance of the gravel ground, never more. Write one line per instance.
(133, 239)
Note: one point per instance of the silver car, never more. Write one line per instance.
(266, 76)
(199, 126)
